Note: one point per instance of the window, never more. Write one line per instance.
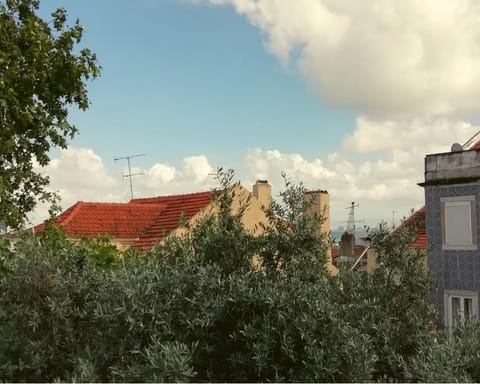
(458, 221)
(460, 305)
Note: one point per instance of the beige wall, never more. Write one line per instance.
(319, 205)
(371, 260)
(255, 218)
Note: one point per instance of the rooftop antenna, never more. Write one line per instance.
(351, 218)
(130, 174)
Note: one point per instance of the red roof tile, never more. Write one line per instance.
(120, 220)
(145, 221)
(178, 207)
(418, 220)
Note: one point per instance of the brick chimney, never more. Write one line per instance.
(262, 191)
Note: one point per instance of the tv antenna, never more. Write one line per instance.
(351, 218)
(130, 174)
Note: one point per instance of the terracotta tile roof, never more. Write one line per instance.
(117, 220)
(417, 219)
(178, 208)
(144, 221)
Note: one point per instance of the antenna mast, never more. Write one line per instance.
(351, 218)
(130, 174)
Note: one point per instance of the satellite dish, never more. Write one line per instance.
(456, 148)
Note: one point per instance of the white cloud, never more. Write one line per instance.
(78, 174)
(410, 67)
(426, 134)
(197, 168)
(379, 165)
(162, 172)
(382, 57)
(346, 181)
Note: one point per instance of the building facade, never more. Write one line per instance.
(452, 202)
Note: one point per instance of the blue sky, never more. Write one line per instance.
(181, 79)
(345, 96)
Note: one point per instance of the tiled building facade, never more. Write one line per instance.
(452, 199)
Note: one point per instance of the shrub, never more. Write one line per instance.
(195, 308)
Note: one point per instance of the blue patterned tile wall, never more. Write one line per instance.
(458, 269)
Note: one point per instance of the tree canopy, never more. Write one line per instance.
(41, 76)
(195, 308)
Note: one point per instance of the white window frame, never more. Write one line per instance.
(471, 222)
(462, 296)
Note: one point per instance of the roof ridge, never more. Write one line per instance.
(170, 218)
(172, 195)
(139, 199)
(103, 203)
(73, 211)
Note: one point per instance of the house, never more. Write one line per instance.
(138, 223)
(141, 223)
(452, 202)
(419, 216)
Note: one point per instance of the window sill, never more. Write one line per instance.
(446, 247)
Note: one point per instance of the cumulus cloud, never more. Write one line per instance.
(163, 173)
(78, 174)
(195, 175)
(81, 172)
(426, 134)
(382, 57)
(197, 168)
(410, 68)
(379, 165)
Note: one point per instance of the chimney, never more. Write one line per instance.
(262, 191)
(319, 204)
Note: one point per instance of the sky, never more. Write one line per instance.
(346, 96)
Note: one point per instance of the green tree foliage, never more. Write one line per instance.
(454, 358)
(195, 308)
(391, 305)
(41, 75)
